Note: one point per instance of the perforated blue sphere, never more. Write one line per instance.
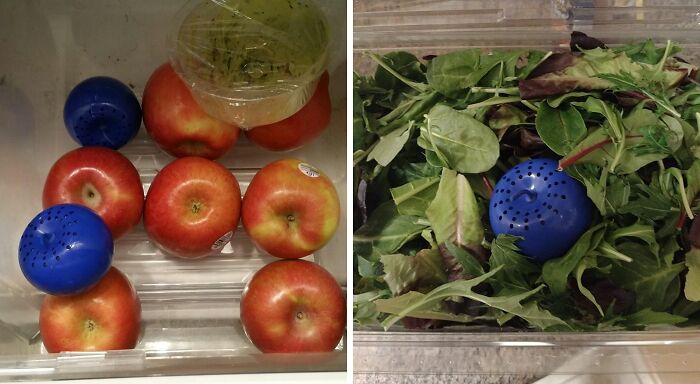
(65, 249)
(548, 208)
(102, 111)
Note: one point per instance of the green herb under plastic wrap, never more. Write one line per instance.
(249, 43)
(432, 136)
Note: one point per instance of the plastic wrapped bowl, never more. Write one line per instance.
(250, 63)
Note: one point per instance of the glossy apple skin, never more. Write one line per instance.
(293, 306)
(105, 317)
(101, 179)
(191, 204)
(177, 123)
(300, 128)
(287, 213)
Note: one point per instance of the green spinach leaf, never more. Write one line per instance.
(458, 140)
(560, 128)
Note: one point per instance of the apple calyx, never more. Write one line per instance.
(90, 325)
(91, 196)
(196, 206)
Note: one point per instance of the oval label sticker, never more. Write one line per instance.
(222, 241)
(309, 170)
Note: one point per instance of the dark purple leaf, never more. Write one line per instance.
(554, 63)
(606, 293)
(580, 40)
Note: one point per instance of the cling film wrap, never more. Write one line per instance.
(251, 62)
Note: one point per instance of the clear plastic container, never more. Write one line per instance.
(190, 308)
(477, 354)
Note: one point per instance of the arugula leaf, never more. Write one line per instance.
(595, 181)
(646, 51)
(587, 262)
(385, 231)
(560, 128)
(413, 198)
(403, 272)
(418, 302)
(624, 81)
(461, 142)
(646, 276)
(555, 272)
(454, 214)
(642, 232)
(396, 305)
(518, 272)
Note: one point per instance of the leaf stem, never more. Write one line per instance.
(570, 160)
(681, 220)
(610, 252)
(529, 104)
(676, 173)
(420, 87)
(507, 90)
(662, 61)
(487, 185)
(494, 101)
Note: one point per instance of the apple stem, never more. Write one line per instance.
(300, 315)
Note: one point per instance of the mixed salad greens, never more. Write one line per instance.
(431, 138)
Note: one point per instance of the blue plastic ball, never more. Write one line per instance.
(102, 111)
(548, 208)
(65, 249)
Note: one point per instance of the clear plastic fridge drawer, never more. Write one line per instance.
(477, 354)
(190, 308)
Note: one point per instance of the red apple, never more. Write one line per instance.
(293, 306)
(105, 317)
(192, 207)
(178, 124)
(290, 209)
(101, 179)
(300, 128)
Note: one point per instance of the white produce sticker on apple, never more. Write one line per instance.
(309, 170)
(222, 241)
